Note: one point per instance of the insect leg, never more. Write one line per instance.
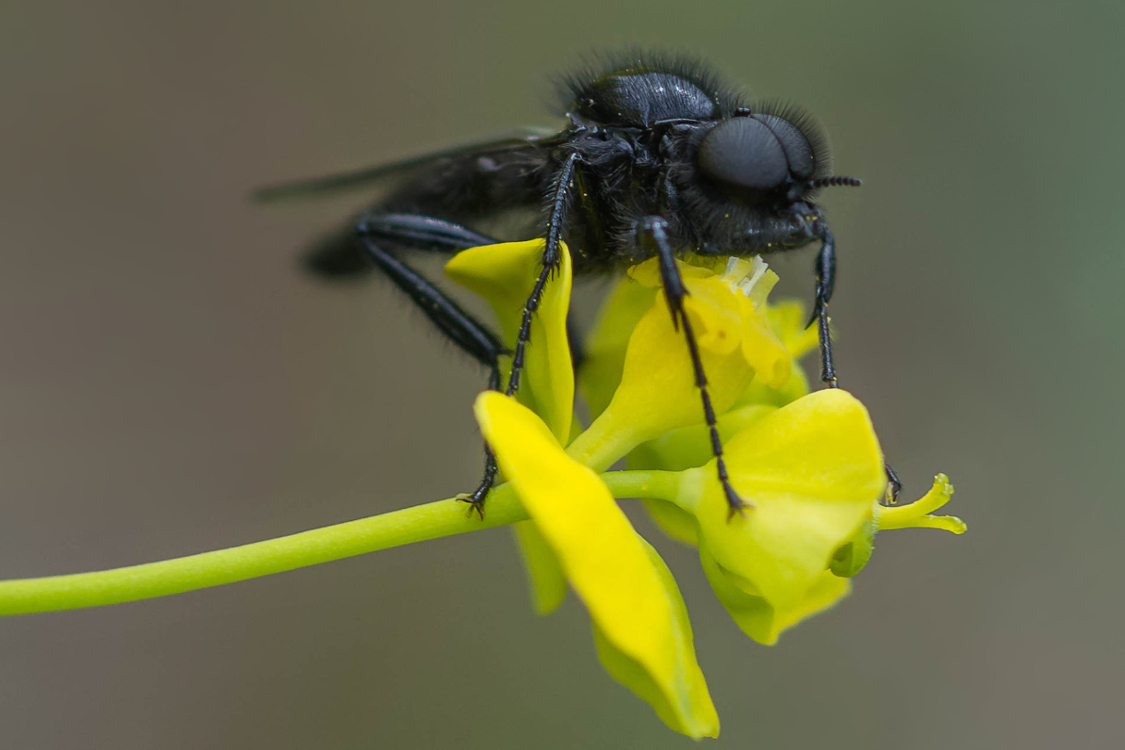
(825, 281)
(652, 234)
(423, 232)
(894, 484)
(556, 219)
(457, 325)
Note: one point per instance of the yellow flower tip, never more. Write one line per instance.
(942, 480)
(952, 524)
(917, 515)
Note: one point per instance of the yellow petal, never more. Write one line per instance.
(716, 313)
(813, 472)
(732, 312)
(504, 275)
(853, 555)
(760, 393)
(544, 571)
(688, 447)
(647, 273)
(762, 348)
(607, 564)
(673, 521)
(685, 448)
(788, 318)
(657, 391)
(735, 338)
(605, 346)
(698, 718)
(755, 615)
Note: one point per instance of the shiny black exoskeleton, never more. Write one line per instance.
(658, 158)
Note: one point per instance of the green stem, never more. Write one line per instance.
(601, 444)
(657, 485)
(394, 529)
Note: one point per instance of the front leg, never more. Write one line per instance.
(556, 219)
(652, 236)
(825, 281)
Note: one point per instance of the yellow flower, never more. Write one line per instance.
(814, 472)
(810, 464)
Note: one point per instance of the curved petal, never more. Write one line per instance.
(755, 615)
(673, 520)
(545, 574)
(762, 348)
(688, 447)
(605, 346)
(685, 448)
(761, 393)
(657, 391)
(853, 555)
(788, 318)
(716, 312)
(698, 718)
(609, 566)
(630, 299)
(504, 275)
(735, 340)
(813, 472)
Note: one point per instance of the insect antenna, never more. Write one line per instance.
(835, 181)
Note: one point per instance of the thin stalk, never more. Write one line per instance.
(416, 524)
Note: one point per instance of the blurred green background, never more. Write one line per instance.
(171, 384)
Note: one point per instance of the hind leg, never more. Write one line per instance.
(470, 335)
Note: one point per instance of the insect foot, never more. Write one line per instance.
(736, 505)
(476, 503)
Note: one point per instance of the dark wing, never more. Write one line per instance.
(397, 170)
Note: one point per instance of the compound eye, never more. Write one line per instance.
(744, 152)
(798, 150)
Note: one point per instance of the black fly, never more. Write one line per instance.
(658, 158)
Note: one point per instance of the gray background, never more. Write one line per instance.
(170, 384)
